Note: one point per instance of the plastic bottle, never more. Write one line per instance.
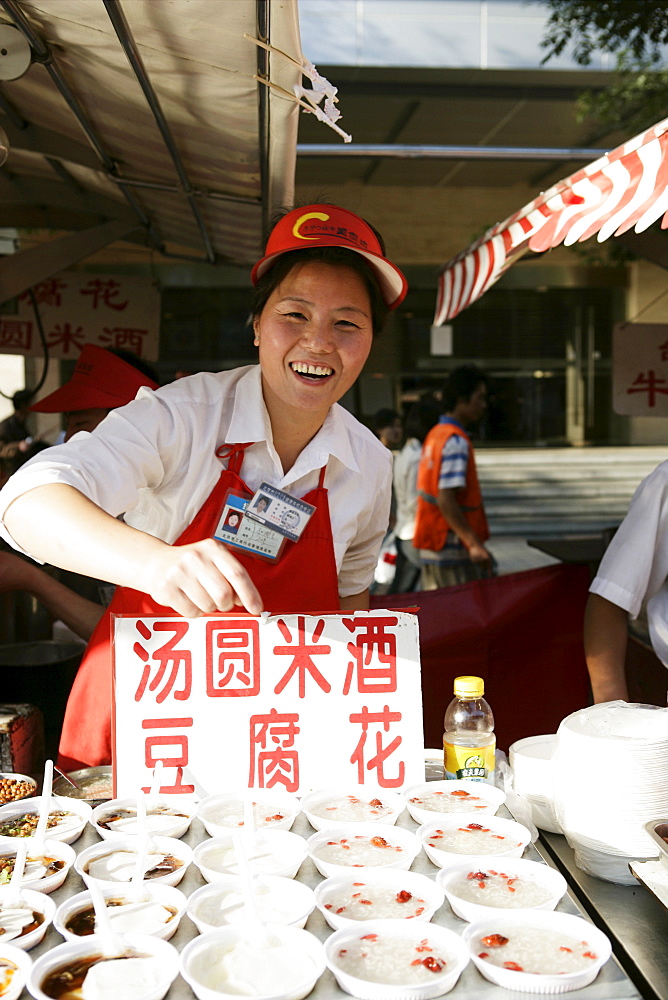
(468, 739)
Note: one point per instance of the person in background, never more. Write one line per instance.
(451, 525)
(632, 572)
(388, 428)
(102, 380)
(420, 418)
(15, 436)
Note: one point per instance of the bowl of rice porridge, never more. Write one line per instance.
(334, 806)
(451, 840)
(226, 811)
(268, 852)
(377, 894)
(360, 845)
(497, 883)
(433, 798)
(538, 952)
(396, 960)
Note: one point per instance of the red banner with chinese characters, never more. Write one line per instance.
(293, 702)
(521, 632)
(80, 308)
(640, 369)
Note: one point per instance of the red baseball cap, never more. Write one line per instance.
(331, 226)
(101, 380)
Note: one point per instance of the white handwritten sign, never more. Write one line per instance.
(77, 309)
(640, 369)
(292, 702)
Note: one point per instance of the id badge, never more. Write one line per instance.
(238, 531)
(279, 511)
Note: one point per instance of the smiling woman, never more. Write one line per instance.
(175, 462)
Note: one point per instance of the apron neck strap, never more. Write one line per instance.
(234, 453)
(321, 480)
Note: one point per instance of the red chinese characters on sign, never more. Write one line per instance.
(232, 658)
(663, 350)
(46, 292)
(377, 760)
(374, 655)
(172, 663)
(16, 333)
(171, 748)
(130, 338)
(302, 653)
(651, 384)
(68, 339)
(277, 764)
(104, 293)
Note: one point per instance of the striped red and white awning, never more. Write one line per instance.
(624, 189)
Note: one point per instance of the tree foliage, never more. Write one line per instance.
(638, 28)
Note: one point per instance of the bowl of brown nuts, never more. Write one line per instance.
(15, 786)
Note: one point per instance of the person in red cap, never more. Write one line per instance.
(102, 380)
(171, 461)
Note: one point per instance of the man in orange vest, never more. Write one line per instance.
(451, 526)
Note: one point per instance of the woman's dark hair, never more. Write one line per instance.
(421, 417)
(461, 383)
(336, 256)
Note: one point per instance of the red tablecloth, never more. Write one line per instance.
(521, 632)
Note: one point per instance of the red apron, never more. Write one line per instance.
(303, 580)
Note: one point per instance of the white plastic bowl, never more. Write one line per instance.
(552, 880)
(324, 795)
(288, 849)
(178, 826)
(40, 903)
(67, 832)
(211, 810)
(518, 836)
(443, 941)
(200, 953)
(421, 887)
(490, 798)
(52, 849)
(23, 963)
(163, 845)
(394, 835)
(526, 982)
(167, 961)
(161, 893)
(206, 906)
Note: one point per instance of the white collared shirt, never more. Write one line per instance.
(634, 567)
(154, 461)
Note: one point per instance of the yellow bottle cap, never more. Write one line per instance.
(469, 687)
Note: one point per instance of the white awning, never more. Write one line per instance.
(627, 188)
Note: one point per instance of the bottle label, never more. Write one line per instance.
(476, 763)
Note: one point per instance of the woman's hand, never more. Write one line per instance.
(199, 579)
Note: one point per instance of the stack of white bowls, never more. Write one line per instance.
(530, 760)
(610, 775)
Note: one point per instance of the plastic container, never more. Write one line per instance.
(282, 854)
(426, 896)
(403, 847)
(203, 952)
(407, 934)
(346, 801)
(165, 955)
(162, 845)
(516, 837)
(224, 812)
(526, 982)
(293, 901)
(552, 881)
(23, 963)
(41, 903)
(165, 826)
(457, 797)
(165, 894)
(52, 849)
(67, 831)
(468, 738)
